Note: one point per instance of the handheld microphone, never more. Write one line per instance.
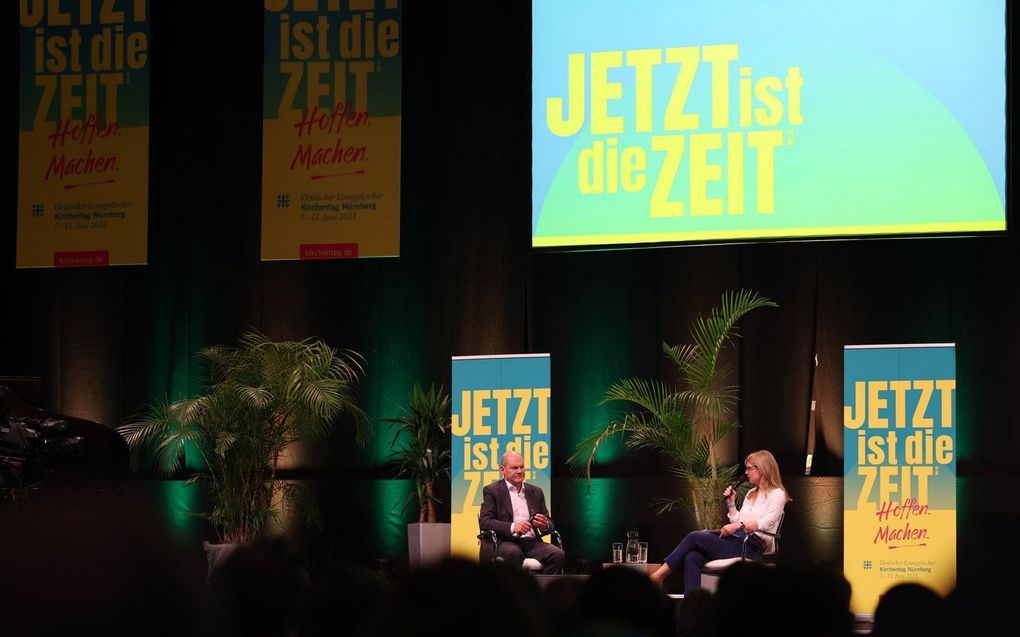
(741, 479)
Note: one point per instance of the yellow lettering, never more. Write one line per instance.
(612, 170)
(660, 205)
(675, 118)
(765, 143)
(765, 90)
(575, 90)
(922, 474)
(745, 96)
(524, 395)
(31, 13)
(480, 451)
(48, 83)
(926, 387)
(473, 479)
(860, 399)
(876, 404)
(793, 84)
(720, 56)
(946, 388)
(869, 474)
(876, 454)
(602, 90)
(501, 396)
(643, 60)
(944, 449)
(703, 172)
(294, 71)
(888, 484)
(57, 61)
(107, 14)
(460, 424)
(899, 389)
(316, 88)
(481, 411)
(542, 395)
(56, 18)
(540, 455)
(590, 169)
(69, 98)
(735, 170)
(632, 167)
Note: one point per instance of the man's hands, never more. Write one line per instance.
(538, 521)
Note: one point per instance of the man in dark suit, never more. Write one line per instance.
(517, 513)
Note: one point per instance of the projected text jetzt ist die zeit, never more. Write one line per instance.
(677, 132)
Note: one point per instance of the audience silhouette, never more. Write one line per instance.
(91, 567)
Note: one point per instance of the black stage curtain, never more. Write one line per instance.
(108, 341)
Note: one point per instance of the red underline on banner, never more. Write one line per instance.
(91, 183)
(907, 546)
(355, 172)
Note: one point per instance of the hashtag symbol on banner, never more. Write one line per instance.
(282, 201)
(867, 565)
(37, 210)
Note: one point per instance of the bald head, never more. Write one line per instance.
(510, 455)
(512, 466)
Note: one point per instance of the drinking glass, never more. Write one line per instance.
(642, 552)
(617, 552)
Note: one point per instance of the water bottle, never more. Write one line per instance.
(631, 550)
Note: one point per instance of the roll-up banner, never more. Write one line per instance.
(500, 403)
(899, 463)
(83, 133)
(331, 129)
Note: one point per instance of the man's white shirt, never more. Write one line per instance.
(520, 505)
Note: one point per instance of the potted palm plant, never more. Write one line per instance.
(422, 443)
(687, 422)
(263, 397)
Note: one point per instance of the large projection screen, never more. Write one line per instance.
(666, 121)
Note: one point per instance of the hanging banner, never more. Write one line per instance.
(500, 403)
(331, 129)
(899, 462)
(83, 133)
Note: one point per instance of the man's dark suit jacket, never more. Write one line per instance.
(497, 513)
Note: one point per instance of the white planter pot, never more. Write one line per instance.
(217, 554)
(427, 543)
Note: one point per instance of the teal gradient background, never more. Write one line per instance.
(894, 364)
(903, 116)
(494, 373)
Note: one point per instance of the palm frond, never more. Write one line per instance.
(650, 395)
(687, 423)
(254, 397)
(662, 505)
(298, 495)
(583, 458)
(421, 442)
(711, 333)
(262, 397)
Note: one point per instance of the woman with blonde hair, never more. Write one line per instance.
(762, 510)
